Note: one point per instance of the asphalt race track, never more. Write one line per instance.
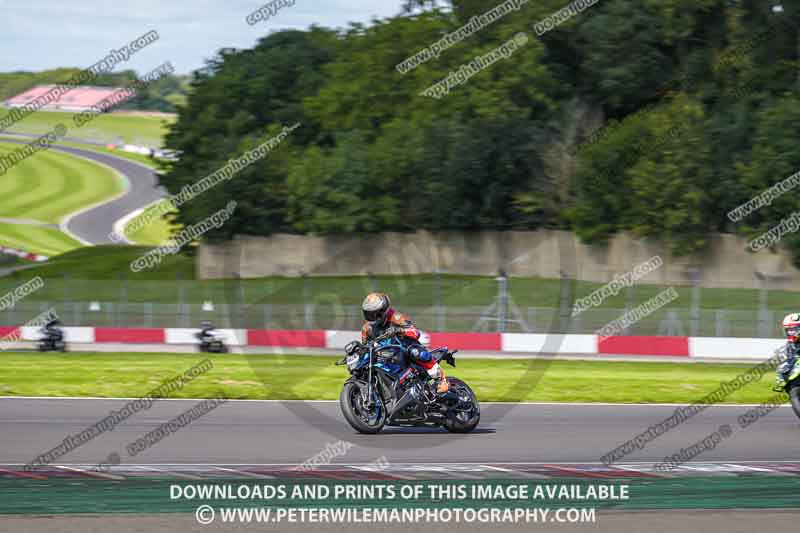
(263, 432)
(95, 224)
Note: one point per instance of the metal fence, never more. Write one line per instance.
(435, 303)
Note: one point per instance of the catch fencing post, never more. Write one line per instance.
(720, 325)
(764, 317)
(148, 314)
(440, 308)
(308, 307)
(565, 305)
(630, 303)
(502, 301)
(123, 299)
(184, 311)
(240, 305)
(694, 312)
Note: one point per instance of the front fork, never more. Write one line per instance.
(786, 373)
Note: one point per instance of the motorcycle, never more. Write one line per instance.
(52, 339)
(385, 391)
(211, 341)
(787, 379)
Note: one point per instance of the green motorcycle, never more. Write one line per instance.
(787, 379)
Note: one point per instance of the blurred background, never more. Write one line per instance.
(627, 126)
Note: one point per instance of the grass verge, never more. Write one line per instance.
(316, 377)
(108, 127)
(37, 239)
(51, 185)
(157, 231)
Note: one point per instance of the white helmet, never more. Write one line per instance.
(375, 307)
(791, 326)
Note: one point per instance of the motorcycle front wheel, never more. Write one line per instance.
(794, 397)
(361, 417)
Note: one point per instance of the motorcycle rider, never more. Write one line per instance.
(791, 328)
(206, 329)
(381, 319)
(52, 330)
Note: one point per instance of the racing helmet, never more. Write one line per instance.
(375, 307)
(791, 326)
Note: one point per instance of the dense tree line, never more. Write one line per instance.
(651, 116)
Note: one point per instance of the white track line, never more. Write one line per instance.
(90, 473)
(434, 464)
(516, 472)
(534, 404)
(171, 473)
(242, 472)
(119, 226)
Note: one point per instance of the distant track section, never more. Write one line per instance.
(94, 224)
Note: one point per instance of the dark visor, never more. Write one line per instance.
(372, 316)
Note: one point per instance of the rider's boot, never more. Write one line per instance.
(439, 378)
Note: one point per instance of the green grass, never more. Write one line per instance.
(108, 263)
(111, 127)
(49, 185)
(41, 240)
(46, 187)
(155, 232)
(312, 377)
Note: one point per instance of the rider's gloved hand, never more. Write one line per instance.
(391, 331)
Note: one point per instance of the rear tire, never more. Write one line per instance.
(455, 422)
(351, 404)
(794, 398)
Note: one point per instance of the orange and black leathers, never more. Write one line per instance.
(405, 330)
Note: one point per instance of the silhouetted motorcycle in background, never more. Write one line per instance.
(52, 339)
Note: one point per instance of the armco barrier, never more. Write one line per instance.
(530, 343)
(723, 347)
(537, 342)
(295, 338)
(492, 342)
(632, 345)
(130, 335)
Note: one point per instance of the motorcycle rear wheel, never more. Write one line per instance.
(354, 411)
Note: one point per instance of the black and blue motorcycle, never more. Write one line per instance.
(387, 388)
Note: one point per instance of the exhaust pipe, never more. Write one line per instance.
(407, 399)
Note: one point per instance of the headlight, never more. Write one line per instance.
(352, 361)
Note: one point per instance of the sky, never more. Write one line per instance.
(44, 34)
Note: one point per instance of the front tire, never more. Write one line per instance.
(794, 397)
(368, 422)
(462, 420)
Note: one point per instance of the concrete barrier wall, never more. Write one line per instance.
(727, 262)
(702, 347)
